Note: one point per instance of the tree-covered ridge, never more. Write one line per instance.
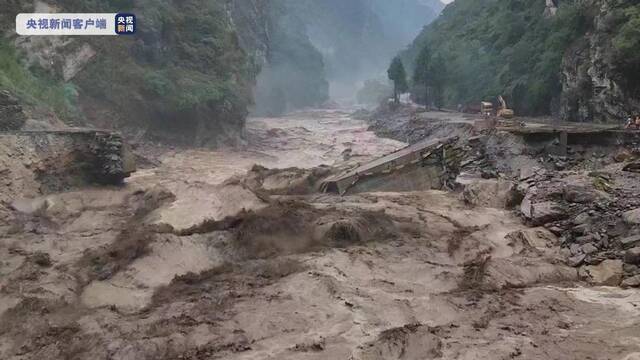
(582, 63)
(185, 70)
(508, 47)
(624, 24)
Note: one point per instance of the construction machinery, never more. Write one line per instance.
(486, 108)
(504, 112)
(501, 117)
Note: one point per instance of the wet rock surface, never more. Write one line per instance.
(585, 197)
(590, 213)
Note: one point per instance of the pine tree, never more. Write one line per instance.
(398, 75)
(438, 71)
(422, 74)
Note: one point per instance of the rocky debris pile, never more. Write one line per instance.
(42, 162)
(411, 124)
(597, 216)
(114, 161)
(631, 159)
(489, 192)
(89, 157)
(12, 116)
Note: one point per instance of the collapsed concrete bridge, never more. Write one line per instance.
(428, 164)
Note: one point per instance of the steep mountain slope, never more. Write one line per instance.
(182, 78)
(358, 37)
(293, 71)
(413, 15)
(351, 41)
(578, 60)
(190, 73)
(601, 71)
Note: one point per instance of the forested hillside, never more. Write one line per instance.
(196, 68)
(579, 61)
(182, 78)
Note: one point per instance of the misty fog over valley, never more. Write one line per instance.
(320, 179)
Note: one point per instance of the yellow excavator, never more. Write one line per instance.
(486, 108)
(502, 117)
(504, 112)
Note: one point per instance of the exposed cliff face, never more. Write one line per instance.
(292, 70)
(303, 45)
(593, 85)
(358, 37)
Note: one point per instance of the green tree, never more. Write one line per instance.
(438, 71)
(422, 72)
(398, 75)
(626, 44)
(506, 47)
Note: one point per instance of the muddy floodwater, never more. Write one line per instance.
(187, 262)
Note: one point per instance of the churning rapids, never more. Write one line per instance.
(186, 262)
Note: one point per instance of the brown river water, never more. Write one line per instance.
(442, 281)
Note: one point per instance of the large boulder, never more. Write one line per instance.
(633, 281)
(580, 194)
(576, 260)
(632, 256)
(607, 273)
(494, 193)
(534, 238)
(632, 217)
(630, 241)
(543, 212)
